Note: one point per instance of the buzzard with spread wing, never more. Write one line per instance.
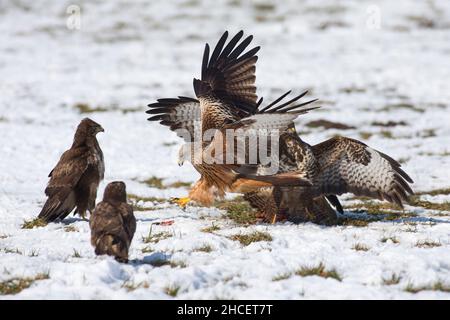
(112, 223)
(75, 179)
(226, 99)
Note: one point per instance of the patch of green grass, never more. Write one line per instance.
(397, 106)
(8, 250)
(16, 285)
(239, 211)
(318, 270)
(76, 254)
(389, 124)
(360, 247)
(131, 286)
(256, 236)
(210, 229)
(387, 134)
(328, 125)
(172, 290)
(365, 135)
(392, 280)
(428, 244)
(35, 223)
(156, 237)
(282, 276)
(437, 286)
(70, 229)
(204, 248)
(86, 108)
(155, 182)
(435, 192)
(415, 201)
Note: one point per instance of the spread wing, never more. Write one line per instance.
(63, 179)
(250, 132)
(229, 74)
(348, 165)
(181, 115)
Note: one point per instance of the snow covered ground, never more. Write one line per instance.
(381, 70)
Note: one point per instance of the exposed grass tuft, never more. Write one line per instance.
(360, 247)
(210, 229)
(282, 276)
(35, 223)
(156, 237)
(172, 290)
(393, 239)
(204, 248)
(70, 229)
(318, 271)
(86, 108)
(76, 254)
(16, 285)
(328, 125)
(131, 286)
(415, 201)
(437, 286)
(428, 244)
(238, 210)
(393, 279)
(256, 236)
(155, 182)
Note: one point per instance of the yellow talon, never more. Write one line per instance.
(182, 202)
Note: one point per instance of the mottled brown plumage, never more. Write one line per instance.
(112, 223)
(227, 99)
(75, 179)
(334, 167)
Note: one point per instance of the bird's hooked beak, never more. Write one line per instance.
(100, 129)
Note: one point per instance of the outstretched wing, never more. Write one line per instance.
(348, 165)
(252, 133)
(181, 115)
(228, 74)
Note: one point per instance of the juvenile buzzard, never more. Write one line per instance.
(75, 179)
(113, 223)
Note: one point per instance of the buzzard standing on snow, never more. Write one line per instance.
(75, 179)
(226, 99)
(113, 223)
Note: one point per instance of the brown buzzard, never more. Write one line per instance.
(75, 179)
(226, 100)
(113, 223)
(334, 167)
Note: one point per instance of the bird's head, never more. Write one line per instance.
(115, 191)
(90, 126)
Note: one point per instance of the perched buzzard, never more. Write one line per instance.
(113, 223)
(226, 99)
(75, 179)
